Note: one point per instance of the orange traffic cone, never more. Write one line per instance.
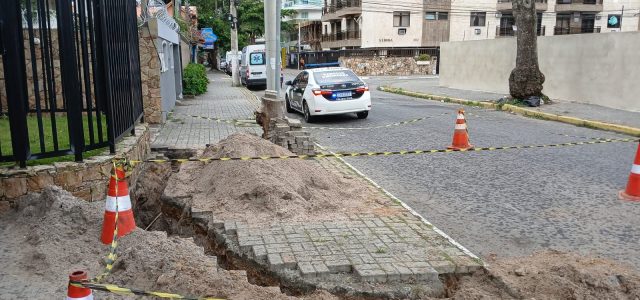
(117, 199)
(78, 293)
(632, 193)
(460, 134)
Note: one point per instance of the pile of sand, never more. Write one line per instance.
(551, 275)
(262, 191)
(52, 234)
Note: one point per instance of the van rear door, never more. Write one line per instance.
(257, 66)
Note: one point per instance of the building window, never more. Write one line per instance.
(436, 15)
(402, 31)
(304, 15)
(478, 18)
(613, 21)
(401, 18)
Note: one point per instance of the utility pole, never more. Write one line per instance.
(271, 103)
(278, 46)
(299, 44)
(235, 72)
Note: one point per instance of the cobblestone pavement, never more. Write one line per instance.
(221, 101)
(509, 203)
(375, 249)
(393, 247)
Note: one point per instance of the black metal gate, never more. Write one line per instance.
(71, 77)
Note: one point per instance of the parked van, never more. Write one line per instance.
(229, 61)
(253, 68)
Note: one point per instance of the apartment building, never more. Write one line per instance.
(475, 20)
(351, 24)
(307, 16)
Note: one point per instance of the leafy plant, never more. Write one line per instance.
(194, 79)
(424, 57)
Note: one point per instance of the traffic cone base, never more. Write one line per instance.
(624, 196)
(78, 293)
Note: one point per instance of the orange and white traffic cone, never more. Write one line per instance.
(117, 200)
(78, 293)
(632, 193)
(460, 134)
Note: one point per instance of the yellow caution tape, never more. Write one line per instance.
(112, 256)
(110, 288)
(387, 153)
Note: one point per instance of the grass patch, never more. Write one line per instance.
(62, 131)
(381, 250)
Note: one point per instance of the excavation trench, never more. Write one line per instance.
(152, 213)
(155, 213)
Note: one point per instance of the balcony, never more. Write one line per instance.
(505, 5)
(341, 8)
(575, 30)
(578, 6)
(350, 38)
(509, 32)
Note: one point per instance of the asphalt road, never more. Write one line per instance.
(509, 202)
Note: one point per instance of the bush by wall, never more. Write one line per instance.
(194, 80)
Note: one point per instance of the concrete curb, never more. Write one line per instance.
(527, 112)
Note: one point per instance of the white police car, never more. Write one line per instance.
(328, 91)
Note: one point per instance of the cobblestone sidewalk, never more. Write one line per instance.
(221, 102)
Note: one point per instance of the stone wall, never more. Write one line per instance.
(87, 180)
(150, 74)
(57, 80)
(389, 66)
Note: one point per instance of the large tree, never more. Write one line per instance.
(526, 79)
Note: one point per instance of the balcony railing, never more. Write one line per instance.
(509, 1)
(579, 2)
(341, 36)
(340, 4)
(579, 5)
(508, 31)
(575, 30)
(506, 5)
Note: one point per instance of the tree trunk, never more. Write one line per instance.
(526, 79)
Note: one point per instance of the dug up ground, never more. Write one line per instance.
(50, 234)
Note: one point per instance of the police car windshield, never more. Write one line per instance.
(335, 77)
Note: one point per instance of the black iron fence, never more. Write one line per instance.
(71, 79)
(502, 31)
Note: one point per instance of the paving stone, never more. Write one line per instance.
(306, 269)
(275, 262)
(337, 266)
(321, 268)
(443, 266)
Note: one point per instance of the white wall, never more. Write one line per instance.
(600, 69)
(377, 24)
(460, 18)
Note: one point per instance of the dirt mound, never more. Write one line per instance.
(52, 234)
(551, 275)
(263, 191)
(244, 145)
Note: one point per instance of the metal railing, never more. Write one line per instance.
(575, 30)
(579, 2)
(502, 31)
(509, 1)
(73, 85)
(340, 4)
(341, 36)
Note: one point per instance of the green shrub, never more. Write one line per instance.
(194, 80)
(424, 57)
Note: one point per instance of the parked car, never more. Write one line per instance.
(229, 67)
(253, 69)
(229, 56)
(328, 91)
(223, 65)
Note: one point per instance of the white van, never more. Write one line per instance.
(253, 69)
(229, 59)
